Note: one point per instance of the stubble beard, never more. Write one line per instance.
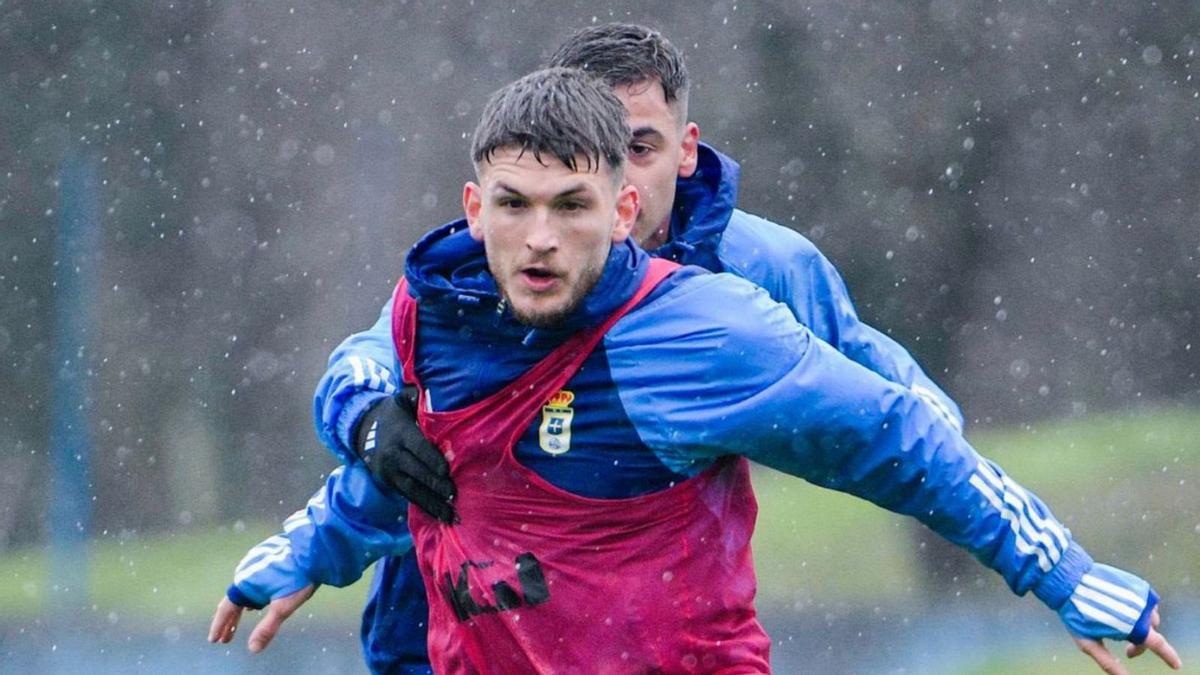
(551, 319)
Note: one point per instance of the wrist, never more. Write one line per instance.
(1110, 603)
(237, 597)
(353, 421)
(1060, 582)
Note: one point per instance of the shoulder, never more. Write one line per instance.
(760, 250)
(682, 361)
(697, 310)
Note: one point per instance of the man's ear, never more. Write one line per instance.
(691, 145)
(628, 204)
(472, 205)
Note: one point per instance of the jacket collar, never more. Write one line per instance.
(447, 271)
(704, 204)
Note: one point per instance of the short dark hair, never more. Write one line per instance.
(624, 54)
(563, 112)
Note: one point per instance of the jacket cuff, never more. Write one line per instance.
(240, 599)
(1141, 629)
(347, 422)
(1059, 583)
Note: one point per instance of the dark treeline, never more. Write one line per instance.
(1010, 191)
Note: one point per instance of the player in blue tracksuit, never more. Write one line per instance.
(676, 384)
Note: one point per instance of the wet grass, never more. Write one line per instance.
(1125, 484)
(182, 575)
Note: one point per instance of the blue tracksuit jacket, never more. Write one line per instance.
(709, 365)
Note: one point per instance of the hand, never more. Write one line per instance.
(399, 456)
(225, 620)
(1154, 642)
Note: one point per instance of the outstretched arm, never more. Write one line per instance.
(774, 393)
(346, 526)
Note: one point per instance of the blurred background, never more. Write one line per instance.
(199, 200)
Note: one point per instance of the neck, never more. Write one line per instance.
(656, 237)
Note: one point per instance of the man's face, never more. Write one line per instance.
(547, 229)
(663, 149)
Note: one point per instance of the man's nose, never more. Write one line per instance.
(542, 235)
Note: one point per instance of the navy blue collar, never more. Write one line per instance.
(703, 206)
(447, 271)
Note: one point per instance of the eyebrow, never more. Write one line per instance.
(643, 132)
(572, 190)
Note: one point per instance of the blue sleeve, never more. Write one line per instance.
(699, 382)
(792, 270)
(346, 526)
(355, 380)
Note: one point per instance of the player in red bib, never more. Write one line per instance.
(604, 508)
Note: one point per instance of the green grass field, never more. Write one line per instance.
(1125, 484)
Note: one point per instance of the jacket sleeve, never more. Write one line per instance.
(346, 526)
(355, 379)
(763, 386)
(794, 272)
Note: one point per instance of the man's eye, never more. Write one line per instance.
(639, 149)
(571, 206)
(512, 203)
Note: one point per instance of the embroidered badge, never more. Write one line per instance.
(554, 436)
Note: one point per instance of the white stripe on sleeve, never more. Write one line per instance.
(1106, 602)
(1006, 513)
(1100, 616)
(1115, 591)
(243, 574)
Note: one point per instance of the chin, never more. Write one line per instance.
(540, 316)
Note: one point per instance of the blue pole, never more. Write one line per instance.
(77, 252)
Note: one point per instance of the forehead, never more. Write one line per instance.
(522, 171)
(647, 104)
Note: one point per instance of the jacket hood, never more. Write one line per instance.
(704, 204)
(447, 271)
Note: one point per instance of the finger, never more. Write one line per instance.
(431, 457)
(410, 397)
(415, 443)
(1158, 644)
(1154, 618)
(224, 621)
(425, 499)
(404, 464)
(277, 612)
(1107, 662)
(267, 628)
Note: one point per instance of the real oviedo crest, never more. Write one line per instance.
(554, 436)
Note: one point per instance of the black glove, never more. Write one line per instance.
(392, 446)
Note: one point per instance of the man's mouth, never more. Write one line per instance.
(538, 279)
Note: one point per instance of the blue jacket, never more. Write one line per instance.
(675, 384)
(706, 230)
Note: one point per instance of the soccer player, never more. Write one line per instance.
(688, 214)
(597, 408)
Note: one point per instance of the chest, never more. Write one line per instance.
(578, 438)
